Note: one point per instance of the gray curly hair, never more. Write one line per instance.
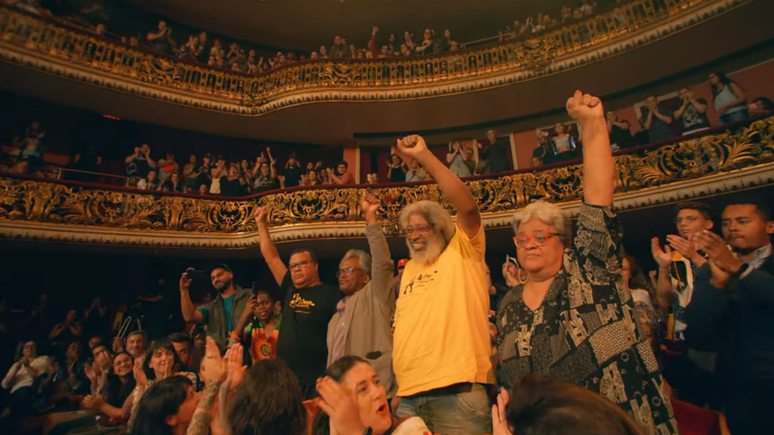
(435, 215)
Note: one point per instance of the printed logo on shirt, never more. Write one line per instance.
(299, 304)
(419, 283)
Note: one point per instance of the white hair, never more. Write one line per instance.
(545, 212)
(434, 213)
(362, 256)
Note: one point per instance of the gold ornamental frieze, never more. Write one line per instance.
(698, 167)
(57, 48)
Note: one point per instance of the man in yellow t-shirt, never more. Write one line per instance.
(441, 344)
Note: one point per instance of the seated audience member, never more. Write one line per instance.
(246, 172)
(361, 324)
(94, 342)
(259, 327)
(135, 344)
(568, 280)
(20, 381)
(342, 176)
(139, 163)
(116, 403)
(760, 105)
(656, 121)
(729, 99)
(731, 310)
(221, 314)
(397, 169)
(633, 276)
(443, 294)
(351, 378)
(309, 305)
(537, 404)
(161, 362)
(312, 179)
(31, 153)
(416, 172)
(184, 350)
(619, 131)
(173, 183)
(692, 113)
(563, 143)
(268, 400)
(150, 182)
(73, 369)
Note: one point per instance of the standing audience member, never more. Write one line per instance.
(361, 325)
(656, 121)
(456, 158)
(309, 306)
(221, 314)
(191, 174)
(293, 171)
(416, 172)
(619, 131)
(216, 174)
(443, 299)
(495, 154)
(140, 162)
(397, 169)
(729, 99)
(259, 327)
(690, 370)
(233, 184)
(732, 309)
(564, 144)
(67, 331)
(573, 319)
(693, 112)
(167, 166)
(161, 39)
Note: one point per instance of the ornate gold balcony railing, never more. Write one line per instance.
(56, 210)
(638, 22)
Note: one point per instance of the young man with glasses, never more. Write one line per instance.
(361, 325)
(573, 319)
(309, 305)
(441, 344)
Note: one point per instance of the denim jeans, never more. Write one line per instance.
(463, 413)
(734, 116)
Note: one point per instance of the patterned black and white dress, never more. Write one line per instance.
(585, 331)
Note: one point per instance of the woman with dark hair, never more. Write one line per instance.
(538, 404)
(161, 361)
(173, 183)
(268, 402)
(564, 144)
(352, 377)
(258, 327)
(397, 169)
(729, 98)
(166, 408)
(761, 105)
(635, 282)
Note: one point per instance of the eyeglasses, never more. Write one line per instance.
(538, 237)
(347, 271)
(417, 230)
(303, 263)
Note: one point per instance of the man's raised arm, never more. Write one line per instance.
(268, 250)
(454, 189)
(598, 165)
(381, 261)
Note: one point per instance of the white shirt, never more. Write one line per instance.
(19, 375)
(640, 295)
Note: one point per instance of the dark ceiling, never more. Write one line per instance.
(307, 24)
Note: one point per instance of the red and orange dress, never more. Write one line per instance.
(255, 339)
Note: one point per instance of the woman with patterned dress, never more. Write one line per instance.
(574, 318)
(258, 328)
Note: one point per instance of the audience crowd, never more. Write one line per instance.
(577, 340)
(219, 53)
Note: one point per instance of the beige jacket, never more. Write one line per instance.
(367, 314)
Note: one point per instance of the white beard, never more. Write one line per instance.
(434, 248)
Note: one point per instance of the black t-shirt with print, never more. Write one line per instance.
(302, 339)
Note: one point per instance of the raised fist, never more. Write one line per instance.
(261, 216)
(585, 108)
(412, 145)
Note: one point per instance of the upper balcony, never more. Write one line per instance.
(75, 66)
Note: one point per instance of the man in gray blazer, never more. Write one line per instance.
(361, 324)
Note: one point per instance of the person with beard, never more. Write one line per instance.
(733, 308)
(441, 343)
(361, 325)
(220, 314)
(308, 306)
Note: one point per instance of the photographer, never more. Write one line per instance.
(161, 40)
(221, 314)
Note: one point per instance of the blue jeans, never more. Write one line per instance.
(461, 413)
(734, 116)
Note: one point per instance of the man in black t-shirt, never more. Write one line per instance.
(309, 306)
(693, 112)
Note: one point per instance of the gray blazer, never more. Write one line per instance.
(368, 312)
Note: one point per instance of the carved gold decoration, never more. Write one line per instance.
(60, 49)
(64, 206)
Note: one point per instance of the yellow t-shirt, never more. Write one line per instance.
(441, 320)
